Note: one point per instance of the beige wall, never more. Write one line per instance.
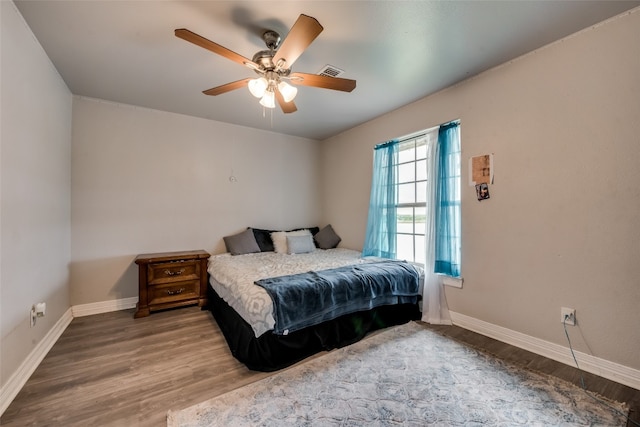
(149, 181)
(35, 122)
(561, 227)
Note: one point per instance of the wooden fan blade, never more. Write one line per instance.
(303, 32)
(218, 90)
(287, 107)
(194, 38)
(326, 82)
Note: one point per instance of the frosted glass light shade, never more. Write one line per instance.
(288, 92)
(258, 86)
(268, 100)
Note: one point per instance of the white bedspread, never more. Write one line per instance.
(233, 278)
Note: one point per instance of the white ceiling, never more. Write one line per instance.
(398, 51)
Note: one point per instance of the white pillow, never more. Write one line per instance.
(279, 239)
(300, 244)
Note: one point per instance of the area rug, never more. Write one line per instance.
(408, 376)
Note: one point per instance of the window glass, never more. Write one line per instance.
(407, 153)
(420, 218)
(405, 247)
(405, 220)
(407, 172)
(421, 170)
(407, 193)
(411, 210)
(421, 192)
(421, 147)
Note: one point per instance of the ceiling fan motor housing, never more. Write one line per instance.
(264, 58)
(271, 39)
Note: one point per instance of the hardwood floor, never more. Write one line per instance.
(111, 370)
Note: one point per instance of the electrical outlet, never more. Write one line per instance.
(568, 316)
(37, 310)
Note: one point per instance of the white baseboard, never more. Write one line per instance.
(20, 377)
(603, 368)
(104, 306)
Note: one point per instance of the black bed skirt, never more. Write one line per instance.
(270, 352)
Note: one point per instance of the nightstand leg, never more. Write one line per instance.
(141, 312)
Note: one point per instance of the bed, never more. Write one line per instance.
(277, 305)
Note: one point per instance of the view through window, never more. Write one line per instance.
(411, 191)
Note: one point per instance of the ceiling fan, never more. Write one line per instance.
(274, 65)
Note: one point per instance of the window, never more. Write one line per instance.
(411, 209)
(417, 205)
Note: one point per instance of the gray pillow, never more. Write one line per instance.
(300, 244)
(327, 238)
(241, 243)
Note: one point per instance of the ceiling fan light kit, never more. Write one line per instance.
(258, 86)
(274, 65)
(264, 89)
(268, 100)
(288, 92)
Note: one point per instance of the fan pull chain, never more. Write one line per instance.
(264, 115)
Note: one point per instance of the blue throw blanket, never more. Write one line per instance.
(306, 299)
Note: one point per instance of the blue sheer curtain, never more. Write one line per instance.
(380, 239)
(447, 213)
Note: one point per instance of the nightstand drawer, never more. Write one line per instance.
(173, 291)
(173, 271)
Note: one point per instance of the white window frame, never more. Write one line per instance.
(415, 140)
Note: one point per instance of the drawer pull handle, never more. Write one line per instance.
(176, 292)
(174, 273)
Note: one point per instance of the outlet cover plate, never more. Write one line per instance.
(571, 312)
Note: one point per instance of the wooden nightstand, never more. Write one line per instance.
(171, 279)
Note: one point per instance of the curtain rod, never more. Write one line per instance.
(414, 135)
